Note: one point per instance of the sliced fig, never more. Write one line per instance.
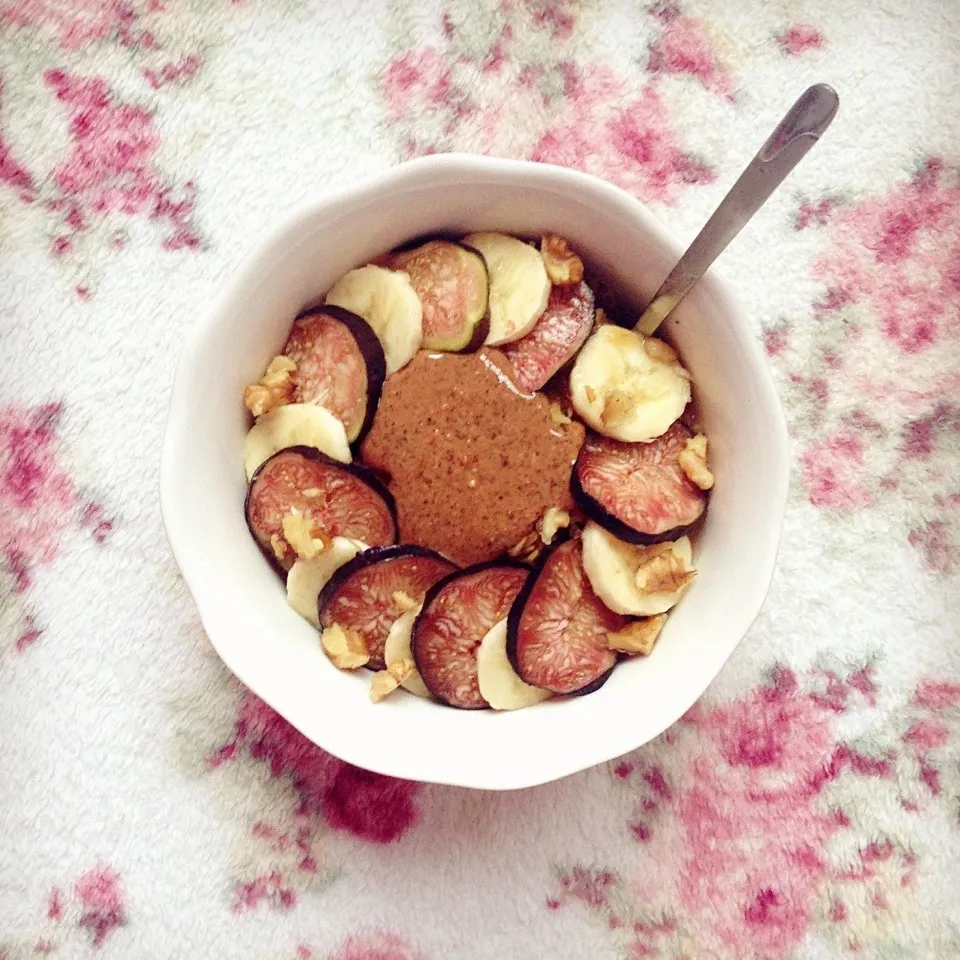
(340, 366)
(557, 628)
(368, 593)
(451, 282)
(457, 613)
(638, 491)
(341, 499)
(557, 336)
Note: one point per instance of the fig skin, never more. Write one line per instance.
(365, 559)
(362, 473)
(431, 596)
(371, 350)
(516, 614)
(597, 512)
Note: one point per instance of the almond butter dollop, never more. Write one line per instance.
(472, 463)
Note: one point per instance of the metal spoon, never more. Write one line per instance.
(796, 133)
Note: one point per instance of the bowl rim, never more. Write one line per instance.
(766, 542)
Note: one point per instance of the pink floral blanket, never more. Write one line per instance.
(807, 807)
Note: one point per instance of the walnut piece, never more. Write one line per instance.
(637, 637)
(693, 462)
(402, 670)
(557, 417)
(528, 549)
(563, 265)
(382, 685)
(618, 406)
(306, 538)
(384, 682)
(273, 389)
(662, 571)
(552, 521)
(280, 546)
(346, 648)
(403, 601)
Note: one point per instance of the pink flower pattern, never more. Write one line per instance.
(800, 38)
(738, 830)
(684, 47)
(101, 899)
(374, 808)
(110, 168)
(88, 913)
(326, 794)
(381, 946)
(78, 23)
(914, 235)
(593, 119)
(891, 289)
(39, 503)
(12, 172)
(631, 145)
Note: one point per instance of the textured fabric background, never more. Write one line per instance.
(807, 807)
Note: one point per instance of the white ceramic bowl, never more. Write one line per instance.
(241, 600)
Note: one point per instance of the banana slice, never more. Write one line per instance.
(628, 386)
(499, 684)
(640, 581)
(397, 648)
(296, 424)
(519, 285)
(387, 301)
(306, 578)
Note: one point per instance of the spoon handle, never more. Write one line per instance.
(796, 133)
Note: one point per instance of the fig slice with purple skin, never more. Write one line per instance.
(555, 339)
(638, 491)
(452, 283)
(370, 592)
(340, 499)
(557, 628)
(457, 614)
(340, 366)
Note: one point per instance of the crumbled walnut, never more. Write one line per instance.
(551, 522)
(402, 670)
(306, 538)
(617, 407)
(557, 416)
(382, 685)
(660, 350)
(662, 571)
(637, 637)
(693, 462)
(600, 317)
(279, 370)
(403, 601)
(528, 549)
(346, 648)
(386, 681)
(280, 547)
(563, 265)
(273, 389)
